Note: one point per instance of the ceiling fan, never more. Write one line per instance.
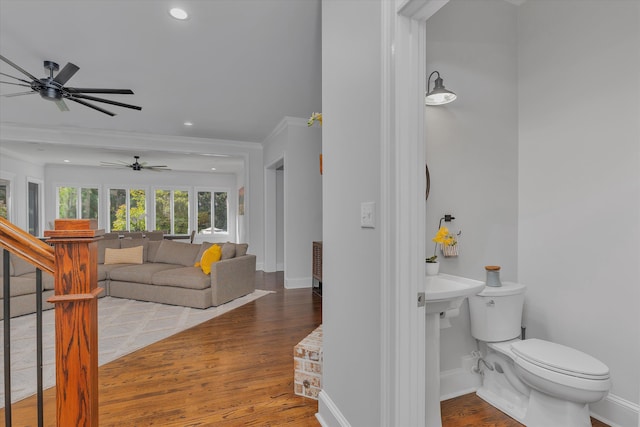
(136, 166)
(54, 89)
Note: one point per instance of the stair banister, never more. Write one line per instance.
(76, 312)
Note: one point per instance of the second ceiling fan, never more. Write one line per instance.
(136, 165)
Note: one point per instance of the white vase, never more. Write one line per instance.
(431, 268)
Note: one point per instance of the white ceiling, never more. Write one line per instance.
(235, 69)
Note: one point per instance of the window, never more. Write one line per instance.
(212, 205)
(127, 209)
(4, 199)
(74, 200)
(172, 211)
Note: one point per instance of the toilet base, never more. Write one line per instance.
(510, 405)
(545, 411)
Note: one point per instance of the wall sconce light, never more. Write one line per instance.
(439, 95)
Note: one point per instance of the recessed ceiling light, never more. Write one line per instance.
(67, 161)
(213, 169)
(188, 123)
(178, 13)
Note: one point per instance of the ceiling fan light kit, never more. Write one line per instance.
(53, 88)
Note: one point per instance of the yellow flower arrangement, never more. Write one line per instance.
(315, 117)
(444, 238)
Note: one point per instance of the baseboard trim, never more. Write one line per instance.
(297, 283)
(328, 413)
(456, 382)
(616, 411)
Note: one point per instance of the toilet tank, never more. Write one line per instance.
(496, 312)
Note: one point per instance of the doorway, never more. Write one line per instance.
(274, 258)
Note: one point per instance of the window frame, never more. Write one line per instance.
(127, 189)
(212, 190)
(79, 188)
(172, 190)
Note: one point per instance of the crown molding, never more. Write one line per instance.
(125, 140)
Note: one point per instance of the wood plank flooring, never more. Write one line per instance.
(471, 411)
(234, 370)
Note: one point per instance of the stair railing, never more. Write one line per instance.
(73, 262)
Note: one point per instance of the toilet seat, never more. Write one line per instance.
(535, 353)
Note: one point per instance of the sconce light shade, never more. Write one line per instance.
(439, 95)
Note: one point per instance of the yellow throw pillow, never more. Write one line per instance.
(209, 256)
(123, 256)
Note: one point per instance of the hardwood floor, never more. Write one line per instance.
(234, 370)
(471, 411)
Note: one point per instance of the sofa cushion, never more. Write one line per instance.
(124, 256)
(209, 256)
(21, 266)
(186, 277)
(132, 243)
(152, 250)
(171, 252)
(228, 250)
(106, 243)
(22, 285)
(139, 273)
(241, 249)
(104, 270)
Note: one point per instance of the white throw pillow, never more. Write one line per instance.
(123, 256)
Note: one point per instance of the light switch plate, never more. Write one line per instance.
(368, 215)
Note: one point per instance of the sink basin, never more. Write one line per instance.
(444, 292)
(444, 286)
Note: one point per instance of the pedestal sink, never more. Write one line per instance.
(442, 292)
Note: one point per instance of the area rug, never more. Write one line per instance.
(124, 326)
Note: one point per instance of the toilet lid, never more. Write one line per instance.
(560, 358)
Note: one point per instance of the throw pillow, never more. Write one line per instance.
(123, 256)
(228, 250)
(171, 252)
(209, 256)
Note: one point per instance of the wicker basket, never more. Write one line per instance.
(449, 251)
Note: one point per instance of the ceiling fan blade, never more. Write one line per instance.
(75, 90)
(156, 166)
(118, 163)
(9, 95)
(67, 72)
(62, 106)
(17, 78)
(106, 101)
(15, 84)
(157, 169)
(17, 67)
(95, 107)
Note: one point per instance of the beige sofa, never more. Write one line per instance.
(167, 275)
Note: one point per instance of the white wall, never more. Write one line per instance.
(561, 166)
(579, 176)
(298, 147)
(472, 147)
(351, 103)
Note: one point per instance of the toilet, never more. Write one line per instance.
(537, 382)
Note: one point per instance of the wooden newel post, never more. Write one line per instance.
(76, 315)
